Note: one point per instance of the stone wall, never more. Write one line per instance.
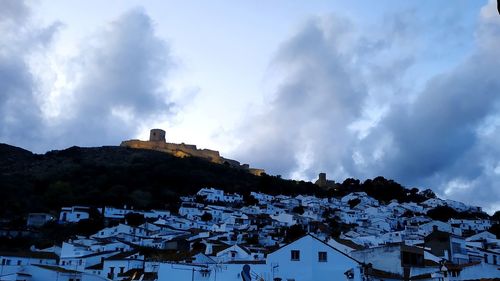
(157, 142)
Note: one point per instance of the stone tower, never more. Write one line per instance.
(157, 135)
(321, 180)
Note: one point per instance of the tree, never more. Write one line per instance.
(249, 200)
(199, 247)
(252, 240)
(496, 217)
(354, 202)
(298, 210)
(327, 213)
(294, 232)
(199, 199)
(442, 213)
(429, 194)
(134, 219)
(206, 217)
(495, 229)
(141, 198)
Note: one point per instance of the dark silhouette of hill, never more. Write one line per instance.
(118, 176)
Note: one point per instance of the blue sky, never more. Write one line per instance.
(403, 89)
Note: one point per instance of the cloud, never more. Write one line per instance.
(445, 138)
(322, 104)
(121, 85)
(115, 84)
(20, 114)
(315, 102)
(348, 105)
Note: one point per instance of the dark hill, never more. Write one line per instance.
(117, 176)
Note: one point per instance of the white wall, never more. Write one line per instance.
(308, 268)
(225, 272)
(384, 258)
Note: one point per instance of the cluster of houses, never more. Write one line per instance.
(221, 236)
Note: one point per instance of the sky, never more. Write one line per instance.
(404, 89)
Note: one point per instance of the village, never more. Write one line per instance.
(220, 236)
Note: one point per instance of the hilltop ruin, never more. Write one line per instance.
(157, 141)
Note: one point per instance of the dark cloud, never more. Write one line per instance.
(121, 85)
(314, 104)
(446, 137)
(118, 82)
(13, 12)
(21, 119)
(342, 108)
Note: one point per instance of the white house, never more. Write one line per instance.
(191, 210)
(233, 253)
(115, 213)
(50, 273)
(212, 272)
(262, 197)
(117, 265)
(80, 263)
(12, 262)
(427, 228)
(310, 259)
(211, 194)
(285, 219)
(399, 260)
(471, 225)
(74, 214)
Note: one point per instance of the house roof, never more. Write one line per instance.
(122, 255)
(56, 268)
(349, 243)
(314, 237)
(29, 254)
(247, 262)
(91, 255)
(382, 274)
(98, 266)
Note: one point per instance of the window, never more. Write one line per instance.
(295, 255)
(494, 259)
(8, 262)
(457, 248)
(322, 257)
(19, 262)
(205, 272)
(122, 269)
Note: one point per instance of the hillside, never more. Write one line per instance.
(117, 176)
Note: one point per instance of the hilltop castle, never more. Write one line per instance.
(158, 142)
(323, 182)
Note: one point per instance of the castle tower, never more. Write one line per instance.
(157, 135)
(321, 180)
